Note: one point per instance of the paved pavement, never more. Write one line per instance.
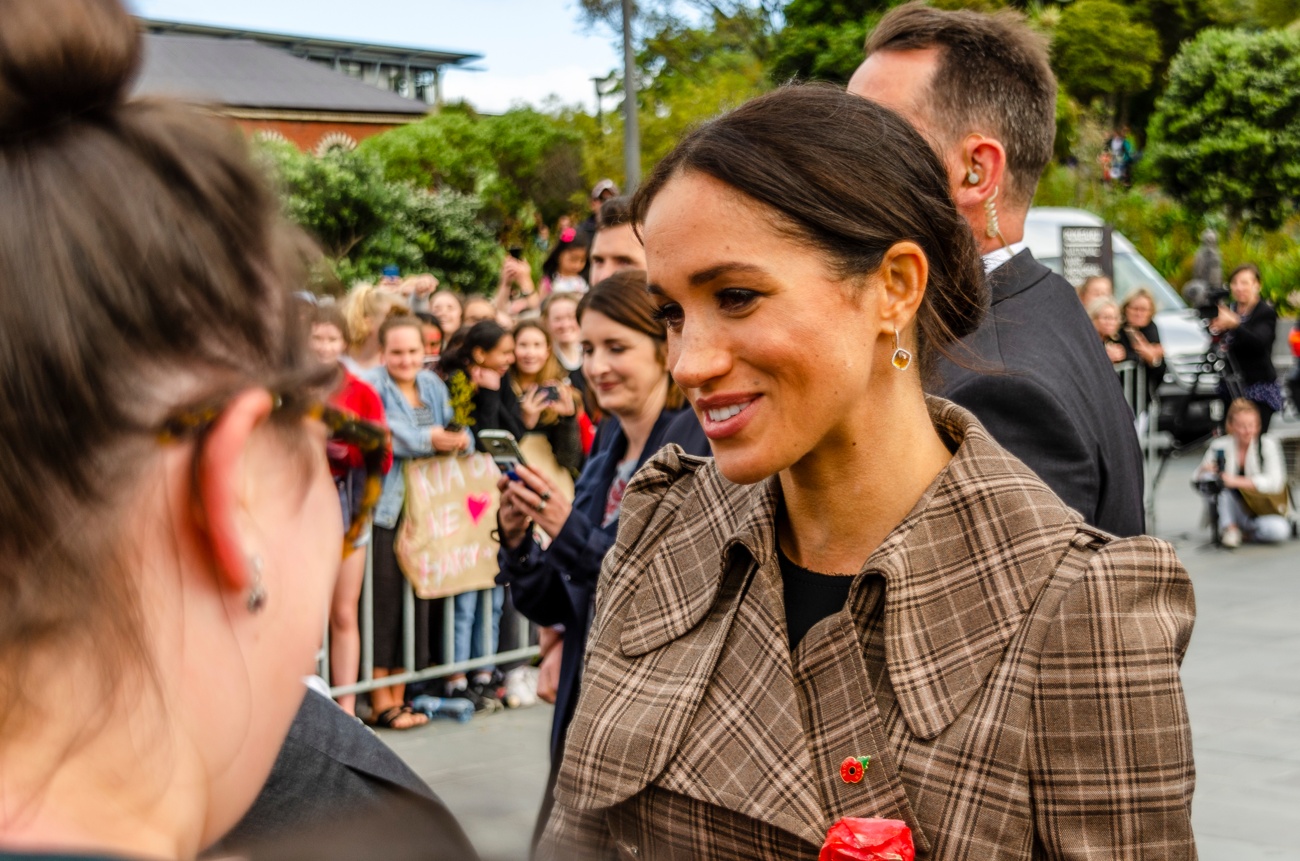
(1241, 676)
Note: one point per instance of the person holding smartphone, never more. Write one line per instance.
(546, 402)
(624, 360)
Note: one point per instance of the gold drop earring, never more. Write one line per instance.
(902, 359)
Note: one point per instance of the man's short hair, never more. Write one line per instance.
(993, 75)
(614, 212)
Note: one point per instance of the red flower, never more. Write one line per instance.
(852, 770)
(853, 839)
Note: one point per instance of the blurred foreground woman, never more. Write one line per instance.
(862, 606)
(169, 530)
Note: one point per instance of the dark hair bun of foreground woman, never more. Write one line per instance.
(62, 59)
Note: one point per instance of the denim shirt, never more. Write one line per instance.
(409, 439)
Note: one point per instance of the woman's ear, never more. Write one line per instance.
(222, 473)
(904, 272)
(477, 355)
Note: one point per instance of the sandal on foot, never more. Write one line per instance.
(388, 718)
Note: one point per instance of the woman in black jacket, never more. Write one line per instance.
(1251, 327)
(624, 347)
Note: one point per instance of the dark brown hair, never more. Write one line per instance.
(623, 298)
(552, 369)
(329, 315)
(458, 352)
(850, 178)
(400, 321)
(614, 212)
(993, 77)
(1246, 267)
(144, 268)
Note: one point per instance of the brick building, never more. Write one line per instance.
(316, 93)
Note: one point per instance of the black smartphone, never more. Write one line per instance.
(503, 447)
(550, 394)
(516, 252)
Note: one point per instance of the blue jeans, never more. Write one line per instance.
(469, 624)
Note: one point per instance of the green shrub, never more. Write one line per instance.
(1226, 134)
(364, 222)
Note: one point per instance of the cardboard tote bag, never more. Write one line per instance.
(445, 545)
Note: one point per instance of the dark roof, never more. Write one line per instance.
(316, 48)
(245, 74)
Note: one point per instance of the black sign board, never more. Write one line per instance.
(1085, 252)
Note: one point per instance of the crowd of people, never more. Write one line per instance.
(856, 525)
(550, 360)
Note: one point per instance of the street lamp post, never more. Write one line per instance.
(631, 130)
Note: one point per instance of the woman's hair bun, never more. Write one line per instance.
(60, 59)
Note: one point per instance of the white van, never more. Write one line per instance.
(1186, 414)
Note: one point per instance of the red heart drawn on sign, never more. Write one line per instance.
(477, 503)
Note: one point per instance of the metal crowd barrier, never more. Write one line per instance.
(1146, 413)
(411, 673)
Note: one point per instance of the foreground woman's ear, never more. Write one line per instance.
(904, 272)
(222, 476)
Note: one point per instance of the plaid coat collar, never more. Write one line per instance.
(947, 622)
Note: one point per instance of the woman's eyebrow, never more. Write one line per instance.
(713, 273)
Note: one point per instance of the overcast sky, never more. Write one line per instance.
(531, 48)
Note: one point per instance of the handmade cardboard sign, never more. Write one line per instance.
(445, 546)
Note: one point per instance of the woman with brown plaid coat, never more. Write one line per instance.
(863, 606)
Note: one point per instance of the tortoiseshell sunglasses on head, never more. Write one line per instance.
(370, 439)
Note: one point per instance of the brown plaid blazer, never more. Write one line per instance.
(1011, 672)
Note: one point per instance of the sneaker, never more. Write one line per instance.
(1231, 537)
(484, 694)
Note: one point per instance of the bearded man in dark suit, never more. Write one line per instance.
(979, 87)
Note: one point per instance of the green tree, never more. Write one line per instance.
(1277, 13)
(363, 221)
(691, 74)
(1100, 52)
(1226, 133)
(519, 163)
(822, 40)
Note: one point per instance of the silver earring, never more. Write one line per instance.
(991, 229)
(256, 591)
(902, 359)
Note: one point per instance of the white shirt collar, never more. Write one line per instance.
(998, 256)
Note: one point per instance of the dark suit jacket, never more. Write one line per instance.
(335, 782)
(1039, 381)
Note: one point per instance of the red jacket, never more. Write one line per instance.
(355, 397)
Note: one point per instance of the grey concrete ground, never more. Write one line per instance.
(1241, 675)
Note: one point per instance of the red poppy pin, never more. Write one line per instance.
(854, 768)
